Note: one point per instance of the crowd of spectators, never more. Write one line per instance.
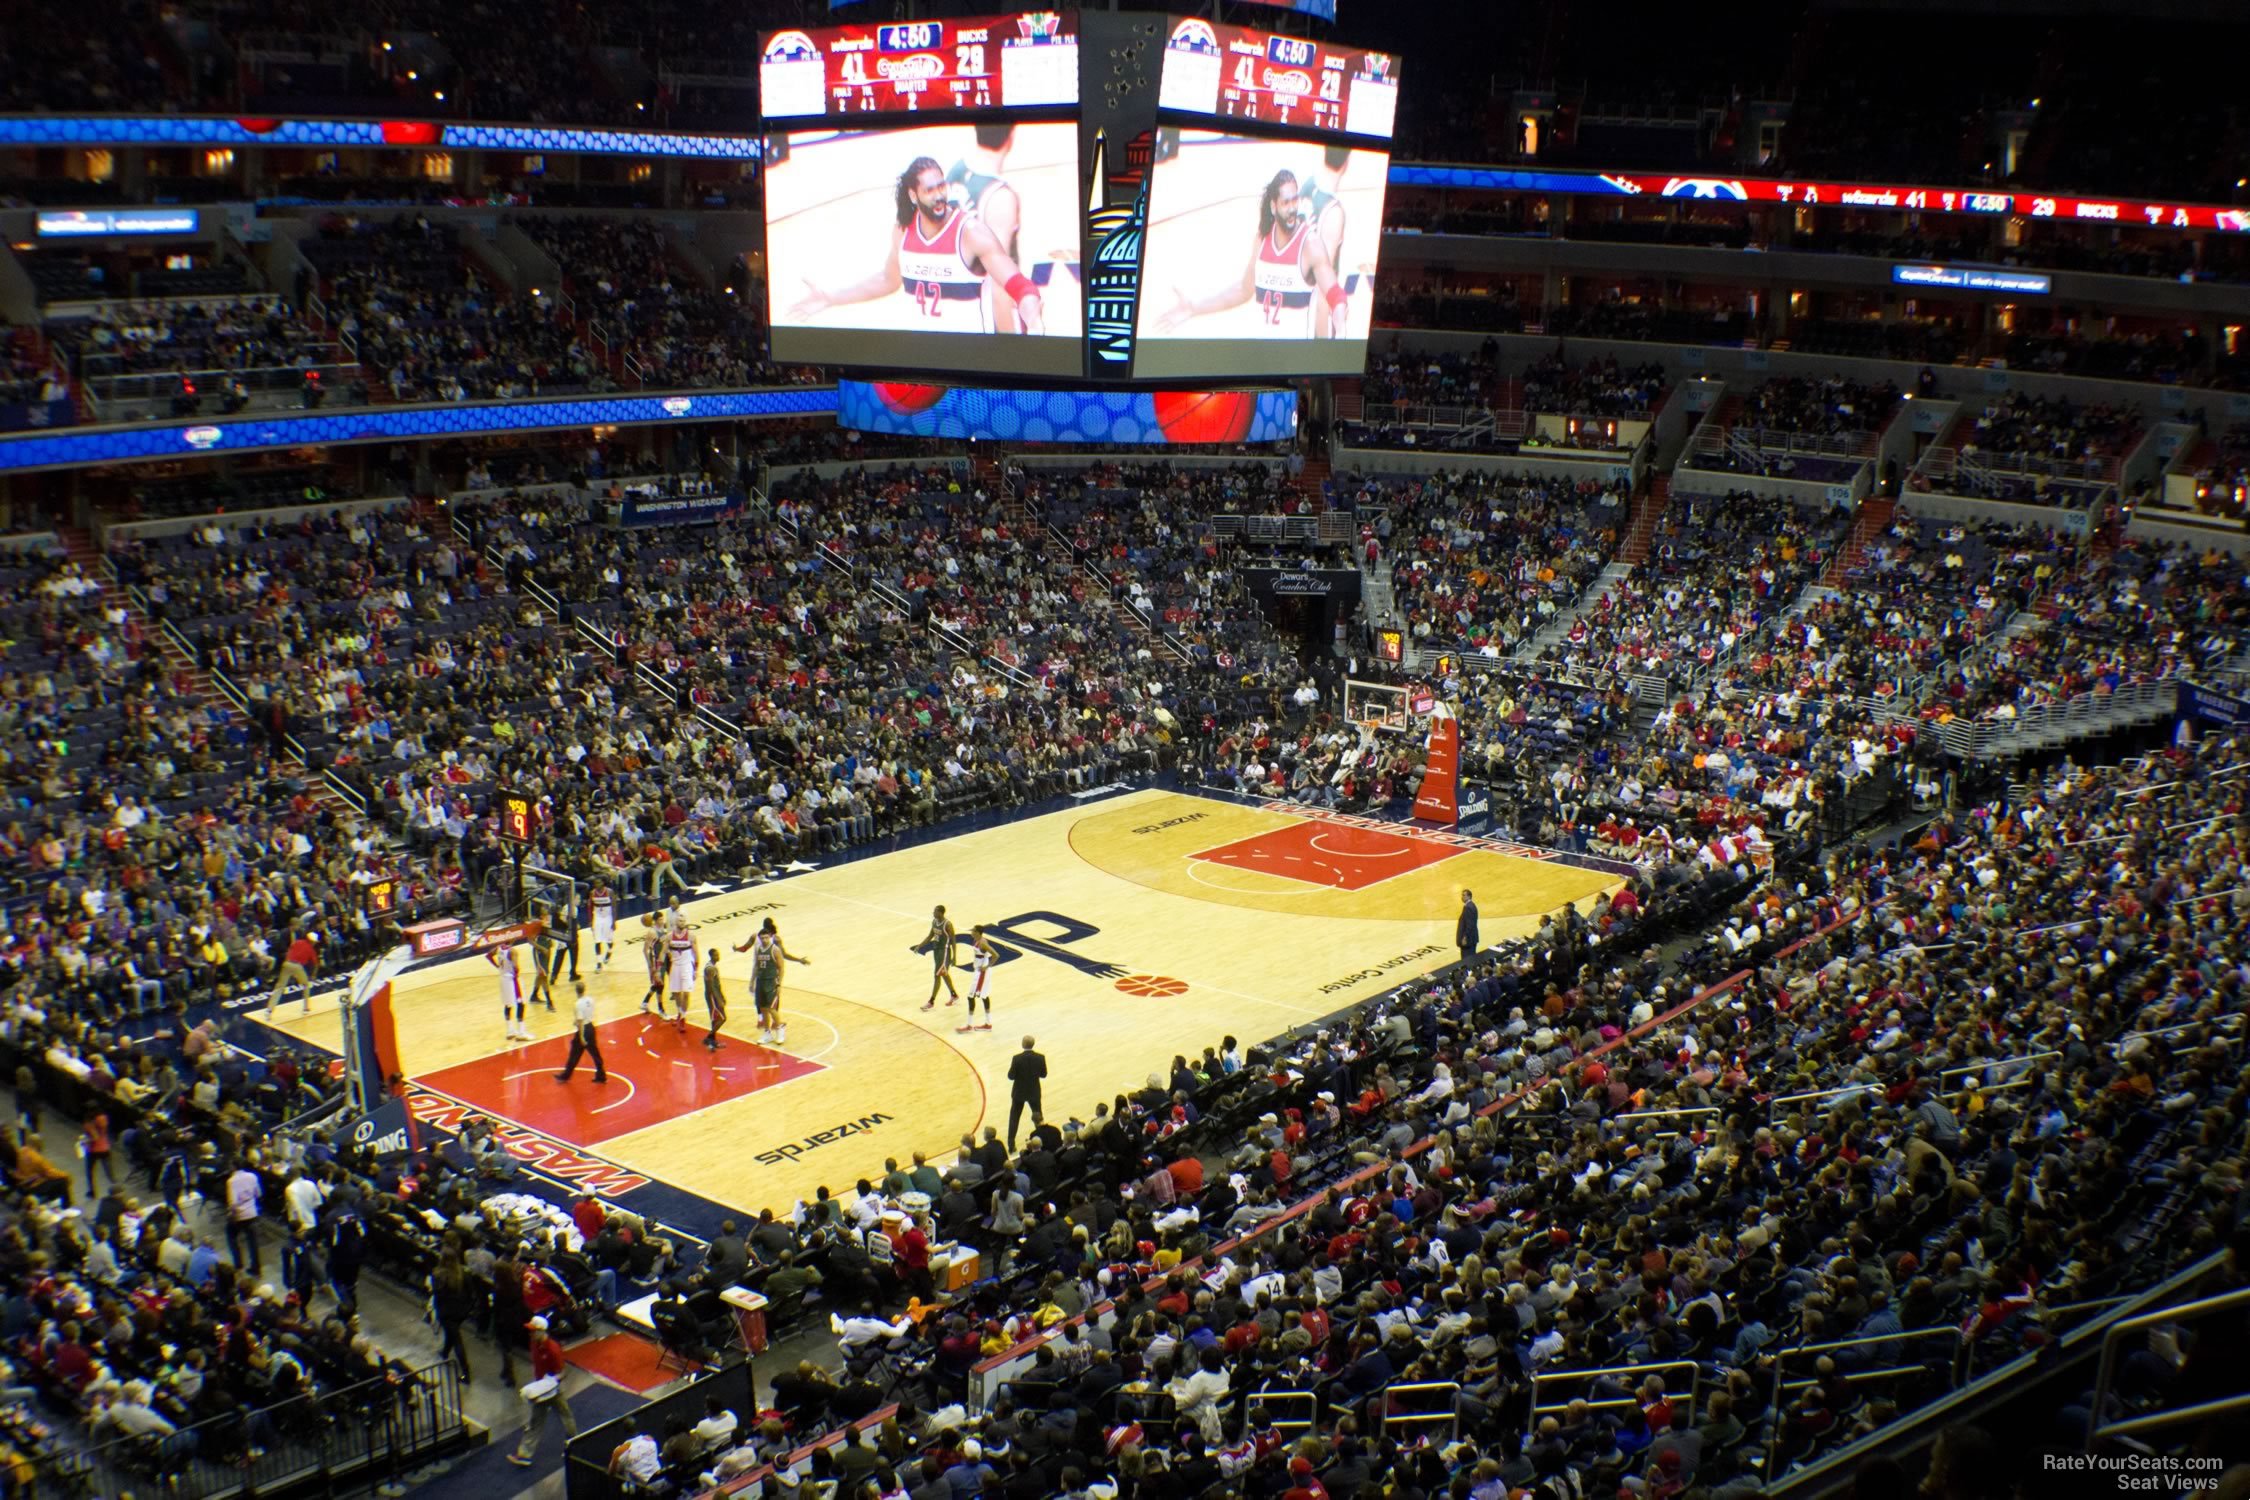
(2145, 612)
(2054, 428)
(1403, 378)
(1720, 567)
(1481, 561)
(134, 337)
(402, 294)
(623, 273)
(1596, 388)
(26, 379)
(1831, 406)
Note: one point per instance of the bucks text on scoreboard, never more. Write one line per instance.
(1023, 61)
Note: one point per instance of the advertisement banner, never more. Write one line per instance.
(1438, 799)
(1044, 416)
(166, 440)
(1974, 279)
(1303, 583)
(389, 1131)
(651, 508)
(2206, 705)
(84, 223)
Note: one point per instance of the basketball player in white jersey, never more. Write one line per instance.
(686, 963)
(945, 259)
(605, 926)
(506, 960)
(939, 945)
(980, 980)
(1290, 272)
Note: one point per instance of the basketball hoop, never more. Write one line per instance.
(1376, 707)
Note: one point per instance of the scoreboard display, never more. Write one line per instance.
(1244, 74)
(519, 817)
(1024, 61)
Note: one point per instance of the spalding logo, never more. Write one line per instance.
(200, 438)
(678, 406)
(920, 65)
(791, 46)
(1705, 187)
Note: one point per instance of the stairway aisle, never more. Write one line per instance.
(179, 664)
(1868, 523)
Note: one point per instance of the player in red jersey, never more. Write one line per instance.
(1290, 271)
(949, 261)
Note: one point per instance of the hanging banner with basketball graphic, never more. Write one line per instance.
(985, 414)
(1439, 799)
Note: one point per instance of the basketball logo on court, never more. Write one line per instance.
(1152, 984)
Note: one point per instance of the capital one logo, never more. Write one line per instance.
(201, 438)
(678, 406)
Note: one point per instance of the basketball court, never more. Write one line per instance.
(1129, 929)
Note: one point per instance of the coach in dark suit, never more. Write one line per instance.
(1025, 1071)
(1465, 930)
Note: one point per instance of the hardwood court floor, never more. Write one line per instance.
(1129, 929)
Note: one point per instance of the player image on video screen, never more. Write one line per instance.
(936, 229)
(1267, 240)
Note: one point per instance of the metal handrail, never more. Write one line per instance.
(1268, 1396)
(2006, 1062)
(1532, 1416)
(2155, 1420)
(145, 385)
(1781, 1362)
(2106, 1371)
(1662, 1114)
(1815, 1476)
(1451, 1416)
(1854, 1378)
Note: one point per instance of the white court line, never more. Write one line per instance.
(1295, 886)
(630, 1091)
(1315, 843)
(835, 1037)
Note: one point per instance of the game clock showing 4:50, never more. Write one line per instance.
(519, 817)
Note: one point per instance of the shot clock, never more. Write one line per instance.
(519, 817)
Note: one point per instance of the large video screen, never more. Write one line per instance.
(1049, 416)
(898, 247)
(1260, 256)
(1028, 60)
(1214, 69)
